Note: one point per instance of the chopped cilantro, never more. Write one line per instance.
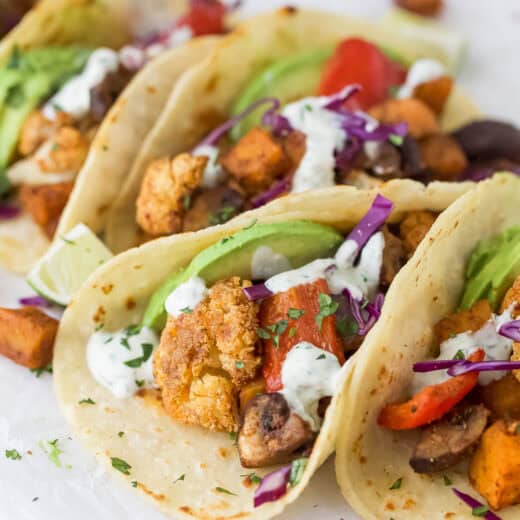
(297, 469)
(294, 314)
(53, 451)
(67, 241)
(262, 333)
(447, 480)
(397, 484)
(327, 308)
(120, 434)
(99, 327)
(147, 351)
(47, 369)
(187, 310)
(321, 356)
(134, 483)
(186, 202)
(233, 436)
(253, 477)
(182, 477)
(223, 490)
(133, 330)
(480, 510)
(396, 140)
(292, 332)
(124, 342)
(109, 339)
(459, 355)
(12, 454)
(139, 382)
(121, 465)
(134, 363)
(222, 215)
(239, 364)
(87, 401)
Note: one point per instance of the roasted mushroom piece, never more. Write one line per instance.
(446, 442)
(270, 433)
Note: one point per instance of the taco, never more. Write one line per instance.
(190, 432)
(277, 140)
(68, 136)
(434, 400)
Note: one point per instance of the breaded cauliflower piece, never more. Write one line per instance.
(513, 296)
(37, 129)
(205, 357)
(67, 151)
(166, 184)
(413, 229)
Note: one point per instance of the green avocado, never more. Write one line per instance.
(27, 79)
(299, 241)
(492, 269)
(287, 79)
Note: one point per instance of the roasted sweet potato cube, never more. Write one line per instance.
(502, 397)
(295, 146)
(494, 469)
(470, 320)
(45, 203)
(444, 156)
(413, 229)
(422, 7)
(256, 161)
(27, 336)
(434, 93)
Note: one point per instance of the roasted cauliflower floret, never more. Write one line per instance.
(166, 186)
(513, 296)
(68, 149)
(207, 356)
(37, 129)
(413, 229)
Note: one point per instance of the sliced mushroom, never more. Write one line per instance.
(446, 442)
(270, 433)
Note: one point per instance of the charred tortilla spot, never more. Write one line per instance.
(211, 84)
(107, 289)
(130, 303)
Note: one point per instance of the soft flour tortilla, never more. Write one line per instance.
(369, 458)
(206, 94)
(158, 448)
(110, 158)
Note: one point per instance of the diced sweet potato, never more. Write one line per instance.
(45, 203)
(420, 117)
(422, 7)
(502, 397)
(471, 320)
(413, 229)
(494, 469)
(256, 161)
(251, 390)
(434, 93)
(295, 146)
(27, 336)
(444, 156)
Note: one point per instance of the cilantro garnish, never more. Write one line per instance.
(121, 465)
(124, 342)
(187, 310)
(327, 308)
(224, 490)
(262, 333)
(120, 434)
(67, 241)
(186, 202)
(87, 401)
(459, 355)
(137, 362)
(12, 454)
(134, 483)
(222, 215)
(182, 477)
(297, 469)
(233, 436)
(132, 330)
(447, 480)
(253, 477)
(139, 382)
(273, 331)
(109, 339)
(480, 510)
(39, 371)
(239, 364)
(397, 484)
(321, 356)
(53, 451)
(99, 327)
(396, 140)
(294, 314)
(292, 332)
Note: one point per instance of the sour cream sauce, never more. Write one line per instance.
(186, 296)
(340, 272)
(422, 71)
(108, 353)
(308, 374)
(213, 173)
(496, 347)
(74, 97)
(324, 136)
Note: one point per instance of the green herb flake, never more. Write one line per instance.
(239, 364)
(182, 477)
(139, 383)
(397, 484)
(87, 401)
(99, 327)
(327, 308)
(109, 339)
(294, 314)
(134, 363)
(186, 202)
(132, 330)
(187, 310)
(225, 491)
(67, 241)
(147, 351)
(321, 356)
(124, 342)
(297, 469)
(262, 333)
(12, 454)
(292, 332)
(459, 355)
(396, 140)
(222, 215)
(447, 480)
(121, 465)
(134, 483)
(53, 451)
(120, 434)
(233, 436)
(252, 477)
(480, 510)
(47, 369)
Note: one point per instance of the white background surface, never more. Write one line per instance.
(28, 412)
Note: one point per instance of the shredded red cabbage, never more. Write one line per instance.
(376, 216)
(279, 124)
(274, 191)
(273, 486)
(510, 330)
(480, 173)
(373, 310)
(213, 138)
(463, 367)
(437, 364)
(473, 503)
(257, 292)
(34, 301)
(336, 101)
(8, 212)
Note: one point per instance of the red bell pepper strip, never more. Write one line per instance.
(204, 17)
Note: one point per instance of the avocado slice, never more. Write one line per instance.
(492, 269)
(27, 79)
(287, 79)
(299, 241)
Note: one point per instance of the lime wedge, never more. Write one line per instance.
(68, 263)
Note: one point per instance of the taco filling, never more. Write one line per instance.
(54, 99)
(465, 402)
(251, 337)
(371, 119)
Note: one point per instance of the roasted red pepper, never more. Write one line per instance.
(204, 17)
(431, 403)
(275, 317)
(361, 62)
